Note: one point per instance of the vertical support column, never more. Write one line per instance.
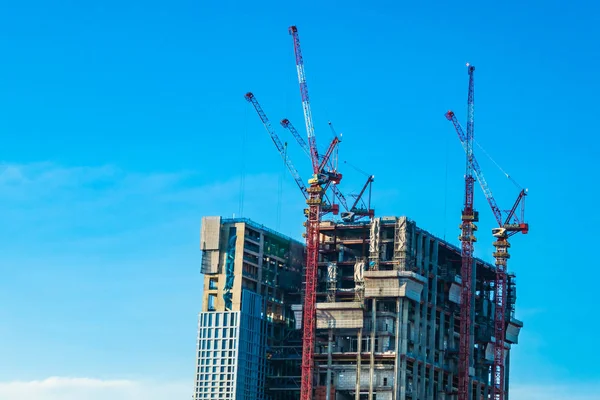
(423, 318)
(397, 366)
(358, 365)
(431, 264)
(329, 343)
(404, 304)
(416, 351)
(507, 373)
(440, 346)
(372, 364)
(452, 344)
(374, 244)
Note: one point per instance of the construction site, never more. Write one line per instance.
(367, 306)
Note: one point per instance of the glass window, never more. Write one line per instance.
(212, 299)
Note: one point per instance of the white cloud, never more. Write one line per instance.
(61, 388)
(573, 391)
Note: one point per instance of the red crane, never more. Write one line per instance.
(318, 184)
(507, 226)
(467, 238)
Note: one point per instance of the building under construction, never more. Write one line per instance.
(388, 301)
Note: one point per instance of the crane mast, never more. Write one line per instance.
(507, 227)
(467, 238)
(325, 175)
(511, 226)
(317, 184)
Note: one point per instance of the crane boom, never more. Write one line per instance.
(511, 217)
(341, 198)
(310, 130)
(327, 157)
(370, 180)
(288, 125)
(476, 169)
(280, 148)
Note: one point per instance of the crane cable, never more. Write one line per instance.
(498, 165)
(446, 188)
(243, 162)
(356, 168)
(362, 172)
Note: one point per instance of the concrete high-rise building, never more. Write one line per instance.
(387, 314)
(388, 299)
(247, 338)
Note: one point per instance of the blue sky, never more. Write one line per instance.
(123, 124)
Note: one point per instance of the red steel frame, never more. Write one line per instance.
(312, 232)
(309, 317)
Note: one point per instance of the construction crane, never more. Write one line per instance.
(318, 184)
(351, 213)
(467, 238)
(507, 226)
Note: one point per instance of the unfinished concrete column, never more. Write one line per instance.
(329, 343)
(416, 324)
(358, 365)
(486, 391)
(397, 365)
(454, 346)
(440, 345)
(372, 366)
(374, 244)
(422, 321)
(431, 259)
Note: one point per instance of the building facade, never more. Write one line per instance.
(388, 314)
(248, 344)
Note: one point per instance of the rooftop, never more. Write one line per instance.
(258, 226)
